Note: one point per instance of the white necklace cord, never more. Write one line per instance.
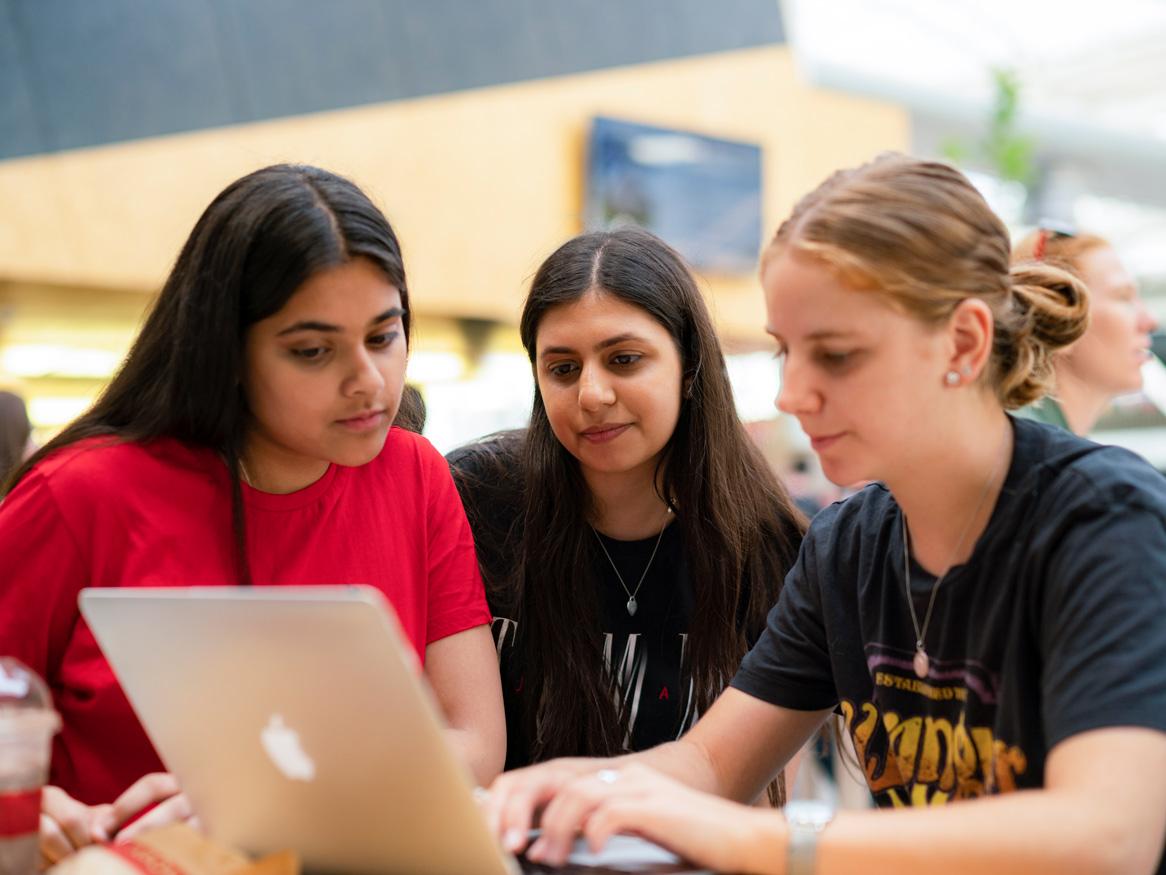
(632, 604)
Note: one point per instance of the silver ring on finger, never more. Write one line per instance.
(607, 776)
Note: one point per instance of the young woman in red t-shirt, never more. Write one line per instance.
(247, 439)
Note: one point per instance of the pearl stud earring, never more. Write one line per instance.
(952, 378)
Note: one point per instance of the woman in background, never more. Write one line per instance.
(1107, 360)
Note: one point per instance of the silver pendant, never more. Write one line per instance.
(922, 663)
(632, 606)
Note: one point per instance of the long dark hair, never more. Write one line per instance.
(739, 529)
(251, 249)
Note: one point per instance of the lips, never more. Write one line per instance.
(822, 442)
(367, 420)
(599, 434)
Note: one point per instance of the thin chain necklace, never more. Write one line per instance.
(921, 662)
(632, 604)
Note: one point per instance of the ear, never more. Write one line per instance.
(970, 330)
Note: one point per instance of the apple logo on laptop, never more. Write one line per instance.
(282, 744)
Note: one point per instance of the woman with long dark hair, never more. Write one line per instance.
(247, 439)
(633, 538)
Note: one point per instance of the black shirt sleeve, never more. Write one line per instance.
(1101, 629)
(488, 475)
(789, 665)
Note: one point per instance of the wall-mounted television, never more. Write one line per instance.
(701, 194)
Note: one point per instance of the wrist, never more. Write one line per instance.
(764, 844)
(805, 820)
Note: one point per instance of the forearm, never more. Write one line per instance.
(685, 761)
(1025, 833)
(463, 672)
(737, 748)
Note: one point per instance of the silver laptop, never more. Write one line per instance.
(299, 718)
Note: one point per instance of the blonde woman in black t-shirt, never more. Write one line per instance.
(988, 617)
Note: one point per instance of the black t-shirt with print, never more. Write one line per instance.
(643, 652)
(1056, 625)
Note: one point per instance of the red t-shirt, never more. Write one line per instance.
(106, 514)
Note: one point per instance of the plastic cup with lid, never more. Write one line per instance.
(27, 725)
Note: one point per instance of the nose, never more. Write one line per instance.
(595, 390)
(1146, 321)
(364, 378)
(797, 394)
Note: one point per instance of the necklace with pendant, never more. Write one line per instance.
(632, 604)
(921, 661)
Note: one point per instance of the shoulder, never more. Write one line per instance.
(407, 451)
(88, 457)
(489, 477)
(1066, 473)
(489, 471)
(410, 469)
(486, 456)
(98, 477)
(97, 463)
(1115, 475)
(847, 536)
(844, 524)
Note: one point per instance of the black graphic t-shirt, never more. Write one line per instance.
(642, 652)
(1055, 626)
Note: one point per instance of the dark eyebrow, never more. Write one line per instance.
(603, 344)
(312, 325)
(618, 339)
(391, 313)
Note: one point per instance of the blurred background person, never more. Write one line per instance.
(15, 433)
(1107, 361)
